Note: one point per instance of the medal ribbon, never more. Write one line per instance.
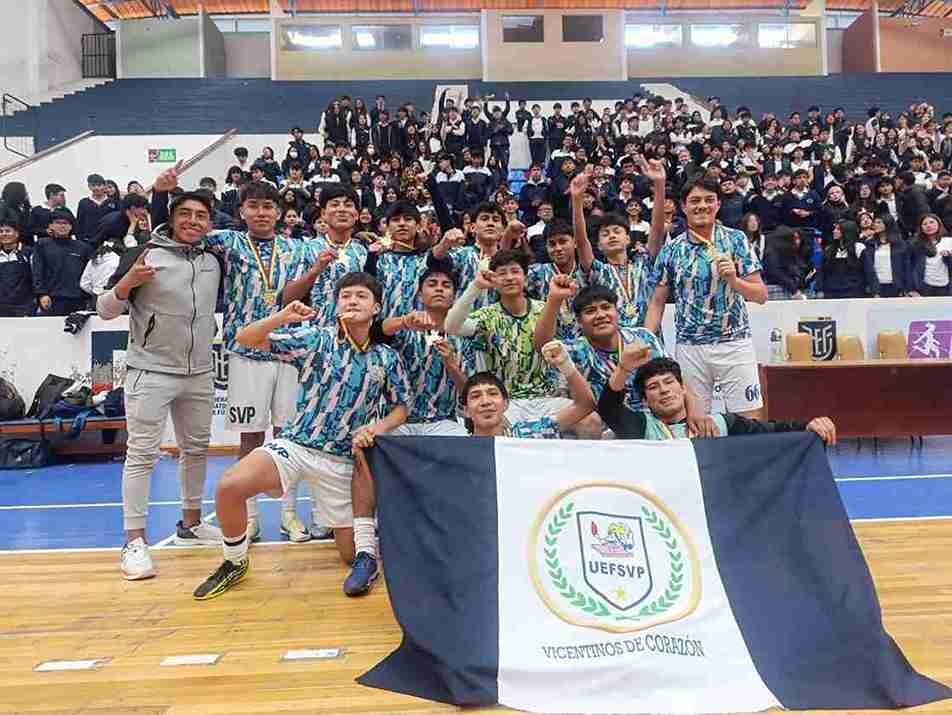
(341, 247)
(266, 276)
(626, 285)
(359, 347)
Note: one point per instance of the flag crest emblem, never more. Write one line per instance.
(613, 557)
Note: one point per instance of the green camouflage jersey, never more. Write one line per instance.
(510, 355)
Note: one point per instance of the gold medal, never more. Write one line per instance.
(342, 250)
(386, 241)
(566, 311)
(270, 295)
(626, 281)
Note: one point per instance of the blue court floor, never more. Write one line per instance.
(79, 506)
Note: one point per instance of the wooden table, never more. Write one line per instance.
(866, 398)
(105, 441)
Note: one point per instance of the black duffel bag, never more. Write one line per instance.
(48, 394)
(24, 453)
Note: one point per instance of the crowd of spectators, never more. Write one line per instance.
(832, 206)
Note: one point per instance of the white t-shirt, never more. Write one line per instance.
(882, 261)
(937, 272)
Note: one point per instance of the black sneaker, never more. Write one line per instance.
(227, 575)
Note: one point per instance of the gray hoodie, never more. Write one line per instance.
(172, 317)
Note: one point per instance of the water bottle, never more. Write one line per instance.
(777, 353)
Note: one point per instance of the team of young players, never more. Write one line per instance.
(403, 338)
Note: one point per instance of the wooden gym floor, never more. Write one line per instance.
(74, 606)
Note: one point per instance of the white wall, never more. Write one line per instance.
(66, 23)
(213, 49)
(834, 50)
(42, 47)
(30, 348)
(248, 54)
(160, 48)
(553, 59)
(125, 158)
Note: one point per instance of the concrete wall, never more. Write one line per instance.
(932, 53)
(126, 158)
(42, 48)
(213, 49)
(858, 55)
(834, 50)
(347, 63)
(553, 60)
(247, 54)
(66, 23)
(748, 61)
(19, 51)
(160, 48)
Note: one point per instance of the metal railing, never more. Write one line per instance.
(20, 133)
(28, 161)
(99, 55)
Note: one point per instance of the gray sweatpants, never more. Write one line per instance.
(150, 398)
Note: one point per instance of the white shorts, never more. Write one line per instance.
(261, 394)
(732, 365)
(328, 474)
(442, 428)
(532, 408)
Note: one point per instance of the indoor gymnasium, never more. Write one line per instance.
(421, 356)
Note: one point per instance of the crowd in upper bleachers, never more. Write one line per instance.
(832, 206)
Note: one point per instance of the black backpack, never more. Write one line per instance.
(115, 403)
(11, 404)
(48, 394)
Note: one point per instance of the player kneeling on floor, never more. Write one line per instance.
(347, 381)
(485, 401)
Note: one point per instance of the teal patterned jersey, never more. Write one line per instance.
(353, 258)
(399, 276)
(597, 365)
(341, 389)
(434, 395)
(707, 310)
(466, 264)
(245, 287)
(542, 428)
(630, 283)
(537, 285)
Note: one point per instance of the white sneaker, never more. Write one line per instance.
(294, 528)
(135, 562)
(202, 534)
(254, 530)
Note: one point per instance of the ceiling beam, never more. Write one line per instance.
(910, 8)
(105, 7)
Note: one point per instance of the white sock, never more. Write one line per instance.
(289, 499)
(316, 516)
(364, 538)
(236, 550)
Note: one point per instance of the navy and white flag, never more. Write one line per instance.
(630, 577)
